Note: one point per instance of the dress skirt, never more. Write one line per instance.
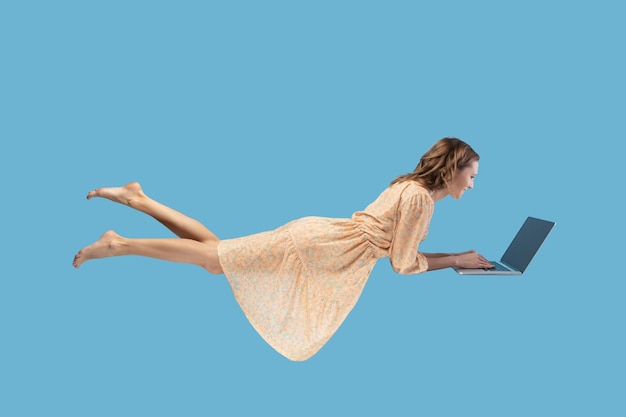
(297, 284)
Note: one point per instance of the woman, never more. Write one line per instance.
(297, 284)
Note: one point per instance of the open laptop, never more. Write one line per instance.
(520, 252)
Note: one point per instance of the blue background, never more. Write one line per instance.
(246, 115)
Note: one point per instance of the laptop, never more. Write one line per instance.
(520, 252)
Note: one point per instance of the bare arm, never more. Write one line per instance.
(469, 259)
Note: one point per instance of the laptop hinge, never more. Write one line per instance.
(512, 268)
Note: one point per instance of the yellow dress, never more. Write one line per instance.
(297, 284)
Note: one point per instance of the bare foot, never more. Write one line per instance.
(127, 195)
(102, 248)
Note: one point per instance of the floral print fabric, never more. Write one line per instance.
(297, 284)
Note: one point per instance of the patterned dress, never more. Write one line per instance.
(296, 284)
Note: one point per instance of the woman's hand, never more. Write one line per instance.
(472, 259)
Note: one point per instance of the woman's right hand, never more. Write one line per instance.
(472, 259)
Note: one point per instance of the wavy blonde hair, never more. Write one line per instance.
(438, 165)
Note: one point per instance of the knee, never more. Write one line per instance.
(214, 269)
(212, 263)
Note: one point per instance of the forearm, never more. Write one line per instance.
(469, 259)
(441, 260)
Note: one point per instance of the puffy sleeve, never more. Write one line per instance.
(410, 229)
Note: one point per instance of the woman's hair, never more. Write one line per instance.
(438, 165)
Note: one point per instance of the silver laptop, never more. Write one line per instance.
(520, 252)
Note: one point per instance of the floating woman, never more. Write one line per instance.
(297, 284)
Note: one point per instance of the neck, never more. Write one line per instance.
(439, 195)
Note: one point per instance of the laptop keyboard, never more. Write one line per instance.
(496, 267)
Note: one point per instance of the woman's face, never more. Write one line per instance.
(463, 179)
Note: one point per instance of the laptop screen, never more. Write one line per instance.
(526, 243)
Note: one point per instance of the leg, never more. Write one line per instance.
(133, 196)
(203, 254)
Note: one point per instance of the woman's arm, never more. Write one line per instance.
(469, 259)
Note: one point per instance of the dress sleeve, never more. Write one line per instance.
(410, 229)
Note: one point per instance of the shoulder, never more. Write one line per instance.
(411, 190)
(416, 200)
